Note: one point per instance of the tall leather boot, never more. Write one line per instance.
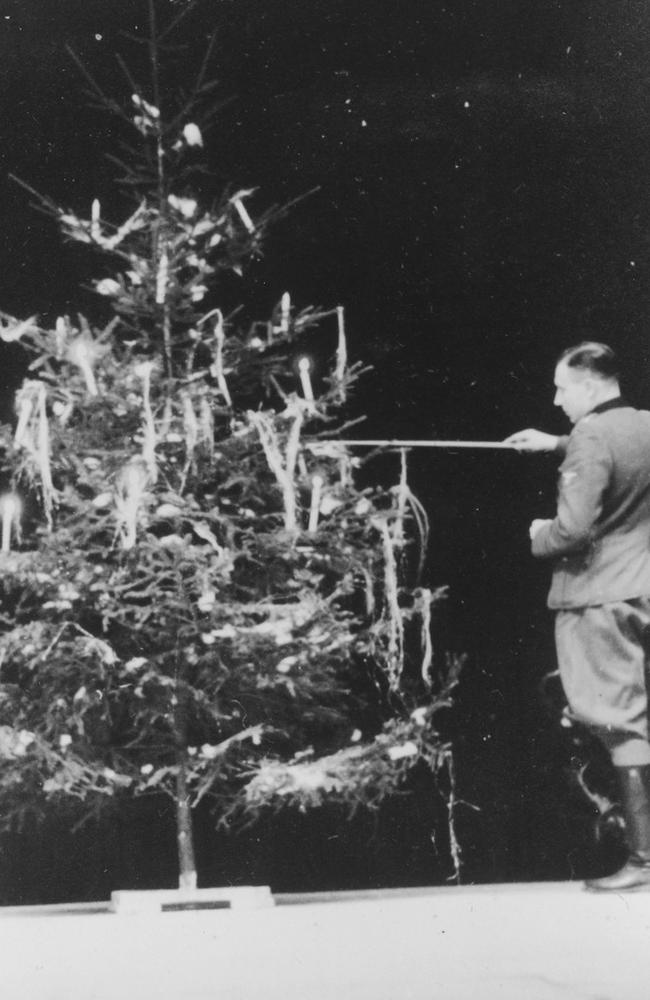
(634, 784)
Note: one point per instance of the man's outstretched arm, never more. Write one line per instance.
(533, 440)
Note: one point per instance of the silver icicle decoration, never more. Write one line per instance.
(42, 455)
(393, 611)
(316, 493)
(369, 591)
(283, 467)
(161, 278)
(403, 493)
(33, 434)
(165, 424)
(190, 427)
(217, 370)
(10, 513)
(82, 352)
(423, 602)
(341, 354)
(206, 425)
(25, 400)
(130, 489)
(143, 371)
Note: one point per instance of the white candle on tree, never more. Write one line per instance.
(217, 368)
(82, 354)
(243, 215)
(161, 278)
(25, 405)
(341, 352)
(150, 440)
(304, 367)
(316, 494)
(95, 216)
(285, 312)
(10, 508)
(131, 488)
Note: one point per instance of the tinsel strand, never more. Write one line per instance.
(217, 369)
(283, 469)
(393, 610)
(144, 370)
(423, 606)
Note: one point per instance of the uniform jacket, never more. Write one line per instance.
(599, 540)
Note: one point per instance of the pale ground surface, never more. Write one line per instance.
(509, 942)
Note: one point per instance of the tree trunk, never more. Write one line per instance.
(184, 829)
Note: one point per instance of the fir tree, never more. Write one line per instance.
(198, 600)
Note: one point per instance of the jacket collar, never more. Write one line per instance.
(610, 404)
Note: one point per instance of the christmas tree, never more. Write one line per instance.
(199, 601)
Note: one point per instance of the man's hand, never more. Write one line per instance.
(532, 440)
(536, 525)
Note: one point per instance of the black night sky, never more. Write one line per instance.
(483, 175)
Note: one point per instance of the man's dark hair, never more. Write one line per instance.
(590, 356)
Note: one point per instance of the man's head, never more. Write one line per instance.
(585, 376)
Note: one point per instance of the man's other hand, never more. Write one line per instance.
(537, 524)
(532, 440)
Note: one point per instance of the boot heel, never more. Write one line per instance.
(634, 783)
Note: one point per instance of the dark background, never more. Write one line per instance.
(484, 193)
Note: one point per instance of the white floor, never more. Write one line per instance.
(510, 942)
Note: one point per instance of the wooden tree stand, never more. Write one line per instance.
(241, 897)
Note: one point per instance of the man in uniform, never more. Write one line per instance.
(599, 546)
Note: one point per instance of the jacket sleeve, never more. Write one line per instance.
(584, 476)
(562, 445)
